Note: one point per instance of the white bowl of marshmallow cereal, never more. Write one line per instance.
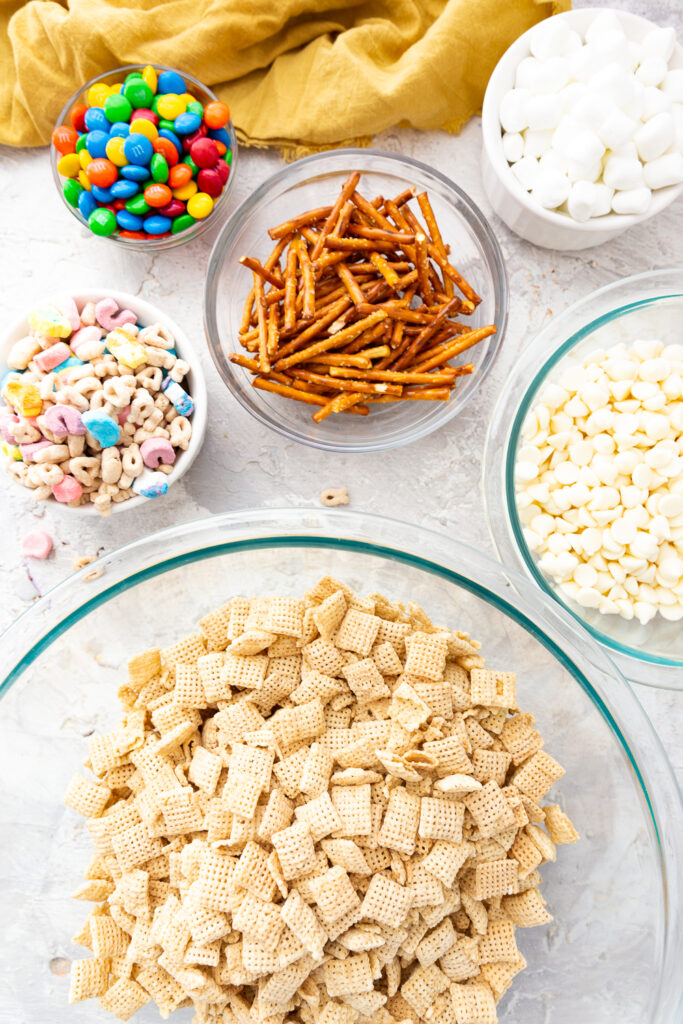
(583, 128)
(103, 401)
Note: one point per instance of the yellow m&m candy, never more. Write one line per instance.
(84, 180)
(84, 158)
(185, 191)
(115, 152)
(149, 76)
(200, 205)
(69, 165)
(141, 126)
(97, 94)
(170, 106)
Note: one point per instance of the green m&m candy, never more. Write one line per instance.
(159, 168)
(82, 142)
(102, 222)
(72, 190)
(138, 206)
(228, 157)
(138, 94)
(133, 74)
(168, 125)
(192, 165)
(182, 223)
(117, 108)
(195, 107)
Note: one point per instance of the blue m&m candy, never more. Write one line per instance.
(96, 120)
(186, 123)
(120, 129)
(129, 221)
(86, 203)
(102, 195)
(123, 189)
(134, 172)
(157, 224)
(96, 143)
(137, 149)
(170, 81)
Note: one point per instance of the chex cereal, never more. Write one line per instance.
(323, 810)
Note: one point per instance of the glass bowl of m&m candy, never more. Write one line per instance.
(145, 155)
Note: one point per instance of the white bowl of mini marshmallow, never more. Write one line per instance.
(583, 128)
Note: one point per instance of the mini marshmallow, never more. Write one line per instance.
(660, 42)
(666, 170)
(655, 102)
(617, 128)
(536, 143)
(513, 146)
(526, 72)
(603, 199)
(654, 137)
(581, 201)
(623, 173)
(673, 85)
(513, 110)
(543, 112)
(549, 76)
(605, 21)
(592, 110)
(652, 71)
(553, 38)
(551, 189)
(526, 171)
(634, 200)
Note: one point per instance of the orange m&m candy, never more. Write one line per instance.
(77, 116)
(216, 114)
(102, 172)
(167, 150)
(158, 195)
(179, 175)
(64, 139)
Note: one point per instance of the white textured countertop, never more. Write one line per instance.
(242, 463)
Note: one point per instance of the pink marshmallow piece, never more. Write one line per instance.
(109, 316)
(37, 544)
(63, 420)
(67, 490)
(83, 335)
(155, 450)
(69, 309)
(123, 415)
(6, 425)
(52, 356)
(28, 451)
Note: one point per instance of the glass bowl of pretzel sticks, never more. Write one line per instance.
(356, 301)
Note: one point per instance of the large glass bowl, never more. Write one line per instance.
(315, 181)
(645, 306)
(612, 952)
(151, 244)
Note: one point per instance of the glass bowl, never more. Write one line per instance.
(219, 211)
(647, 305)
(315, 181)
(613, 950)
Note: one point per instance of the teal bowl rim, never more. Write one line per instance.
(254, 526)
(530, 394)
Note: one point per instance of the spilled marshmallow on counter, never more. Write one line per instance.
(599, 480)
(595, 124)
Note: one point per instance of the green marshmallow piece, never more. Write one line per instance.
(102, 222)
(182, 223)
(72, 190)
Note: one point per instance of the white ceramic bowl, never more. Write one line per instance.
(509, 199)
(196, 383)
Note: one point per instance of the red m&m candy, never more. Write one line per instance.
(77, 116)
(204, 152)
(209, 181)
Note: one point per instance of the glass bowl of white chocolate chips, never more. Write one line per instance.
(584, 469)
(612, 947)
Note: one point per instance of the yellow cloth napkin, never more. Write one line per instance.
(299, 74)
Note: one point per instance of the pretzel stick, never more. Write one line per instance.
(425, 334)
(290, 289)
(273, 331)
(267, 275)
(371, 211)
(435, 234)
(396, 238)
(341, 403)
(264, 361)
(396, 376)
(347, 191)
(405, 196)
(308, 397)
(290, 226)
(368, 336)
(386, 270)
(348, 385)
(343, 219)
(351, 285)
(343, 359)
(397, 311)
(316, 328)
(245, 323)
(420, 395)
(461, 345)
(358, 244)
(336, 341)
(423, 267)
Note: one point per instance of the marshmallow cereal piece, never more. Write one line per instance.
(36, 544)
(150, 484)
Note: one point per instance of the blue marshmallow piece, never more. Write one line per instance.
(103, 428)
(177, 396)
(150, 484)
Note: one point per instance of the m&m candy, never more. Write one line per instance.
(143, 157)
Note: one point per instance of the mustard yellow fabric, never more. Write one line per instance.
(299, 74)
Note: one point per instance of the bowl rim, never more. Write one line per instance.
(353, 156)
(139, 244)
(493, 145)
(437, 554)
(521, 399)
(186, 349)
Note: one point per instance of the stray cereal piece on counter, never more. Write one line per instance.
(36, 544)
(332, 496)
(80, 561)
(286, 851)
